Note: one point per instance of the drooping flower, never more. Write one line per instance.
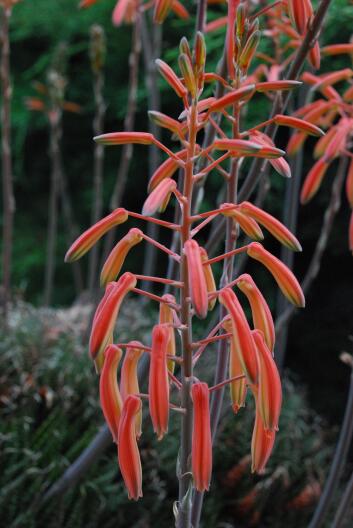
(247, 224)
(117, 256)
(201, 454)
(269, 398)
(129, 383)
(237, 387)
(261, 313)
(84, 242)
(261, 445)
(313, 180)
(209, 278)
(166, 316)
(158, 385)
(107, 312)
(197, 280)
(166, 170)
(285, 279)
(128, 453)
(110, 398)
(242, 334)
(159, 197)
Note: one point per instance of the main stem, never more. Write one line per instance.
(184, 474)
(7, 183)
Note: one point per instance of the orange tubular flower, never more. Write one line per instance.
(109, 394)
(201, 453)
(210, 282)
(158, 385)
(285, 279)
(280, 165)
(261, 445)
(166, 170)
(129, 380)
(128, 453)
(269, 398)
(242, 147)
(248, 225)
(122, 138)
(237, 387)
(197, 280)
(230, 98)
(161, 10)
(261, 313)
(84, 242)
(313, 180)
(274, 226)
(172, 79)
(107, 312)
(159, 197)
(299, 124)
(166, 316)
(117, 256)
(242, 334)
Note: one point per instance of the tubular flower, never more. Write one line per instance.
(241, 147)
(161, 10)
(242, 334)
(172, 79)
(279, 164)
(236, 95)
(201, 453)
(128, 378)
(299, 124)
(166, 314)
(247, 224)
(261, 445)
(158, 385)
(159, 197)
(117, 256)
(209, 278)
(84, 242)
(274, 226)
(261, 313)
(269, 398)
(197, 280)
(237, 387)
(349, 184)
(166, 170)
(313, 180)
(128, 453)
(122, 138)
(110, 398)
(285, 279)
(107, 312)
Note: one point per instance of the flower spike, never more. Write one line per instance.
(242, 334)
(128, 453)
(274, 226)
(285, 279)
(84, 242)
(117, 256)
(159, 197)
(158, 385)
(110, 398)
(261, 313)
(269, 398)
(107, 312)
(201, 453)
(237, 387)
(197, 280)
(166, 315)
(128, 378)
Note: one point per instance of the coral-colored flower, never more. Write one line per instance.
(158, 385)
(261, 313)
(166, 170)
(128, 453)
(122, 138)
(161, 10)
(242, 334)
(117, 256)
(232, 97)
(201, 454)
(107, 312)
(129, 383)
(261, 445)
(84, 242)
(171, 78)
(237, 387)
(274, 226)
(197, 280)
(165, 121)
(209, 278)
(247, 224)
(279, 164)
(242, 147)
(110, 398)
(349, 184)
(313, 180)
(159, 197)
(285, 279)
(166, 316)
(299, 124)
(269, 397)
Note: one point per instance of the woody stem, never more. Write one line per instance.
(184, 514)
